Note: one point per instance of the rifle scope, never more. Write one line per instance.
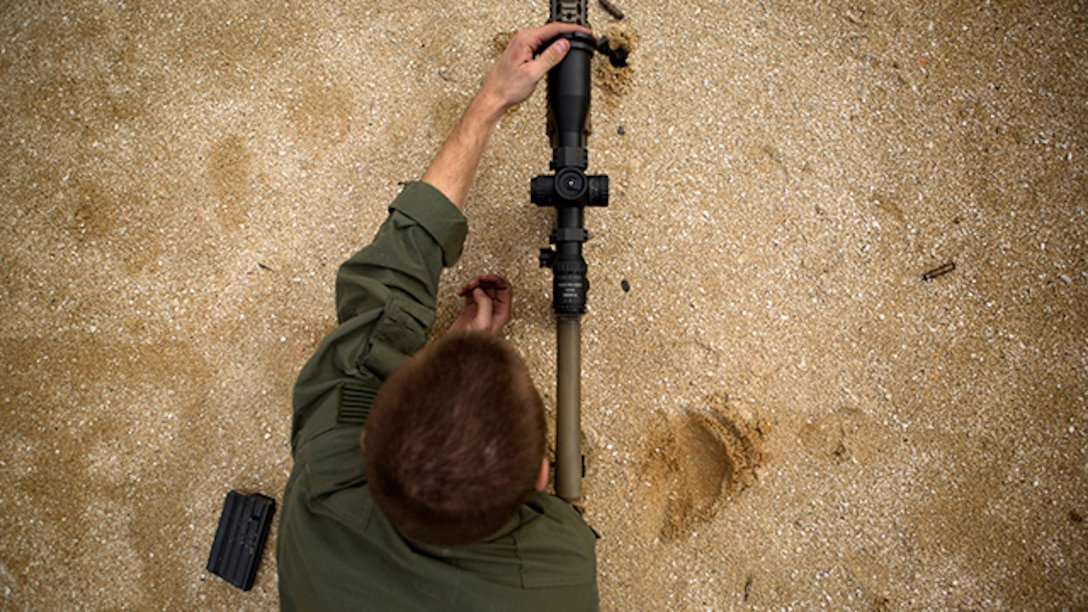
(569, 190)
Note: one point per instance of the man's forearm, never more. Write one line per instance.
(455, 166)
(510, 81)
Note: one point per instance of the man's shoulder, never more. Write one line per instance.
(555, 544)
(344, 543)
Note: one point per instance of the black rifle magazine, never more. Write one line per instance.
(239, 540)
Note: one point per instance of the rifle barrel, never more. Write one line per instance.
(568, 430)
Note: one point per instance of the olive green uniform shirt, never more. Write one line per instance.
(335, 550)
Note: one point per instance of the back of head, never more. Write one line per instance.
(454, 440)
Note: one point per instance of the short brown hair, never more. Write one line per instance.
(454, 440)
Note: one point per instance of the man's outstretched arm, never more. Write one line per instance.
(512, 79)
(421, 235)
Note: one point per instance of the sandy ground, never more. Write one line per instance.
(779, 411)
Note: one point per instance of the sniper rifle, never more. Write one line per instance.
(569, 190)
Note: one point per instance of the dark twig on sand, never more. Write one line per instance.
(612, 9)
(939, 271)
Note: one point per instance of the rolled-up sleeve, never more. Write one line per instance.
(402, 257)
(385, 300)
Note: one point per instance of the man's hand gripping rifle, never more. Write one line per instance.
(569, 190)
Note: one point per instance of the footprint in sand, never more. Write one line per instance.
(695, 462)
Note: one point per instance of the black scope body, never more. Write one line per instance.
(568, 103)
(569, 190)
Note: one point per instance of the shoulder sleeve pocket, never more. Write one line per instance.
(401, 331)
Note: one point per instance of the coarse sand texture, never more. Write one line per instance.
(836, 352)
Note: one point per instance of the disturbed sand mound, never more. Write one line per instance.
(695, 463)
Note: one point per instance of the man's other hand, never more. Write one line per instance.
(487, 304)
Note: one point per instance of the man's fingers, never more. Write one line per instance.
(478, 281)
(470, 286)
(483, 308)
(487, 297)
(494, 284)
(538, 36)
(551, 57)
(488, 282)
